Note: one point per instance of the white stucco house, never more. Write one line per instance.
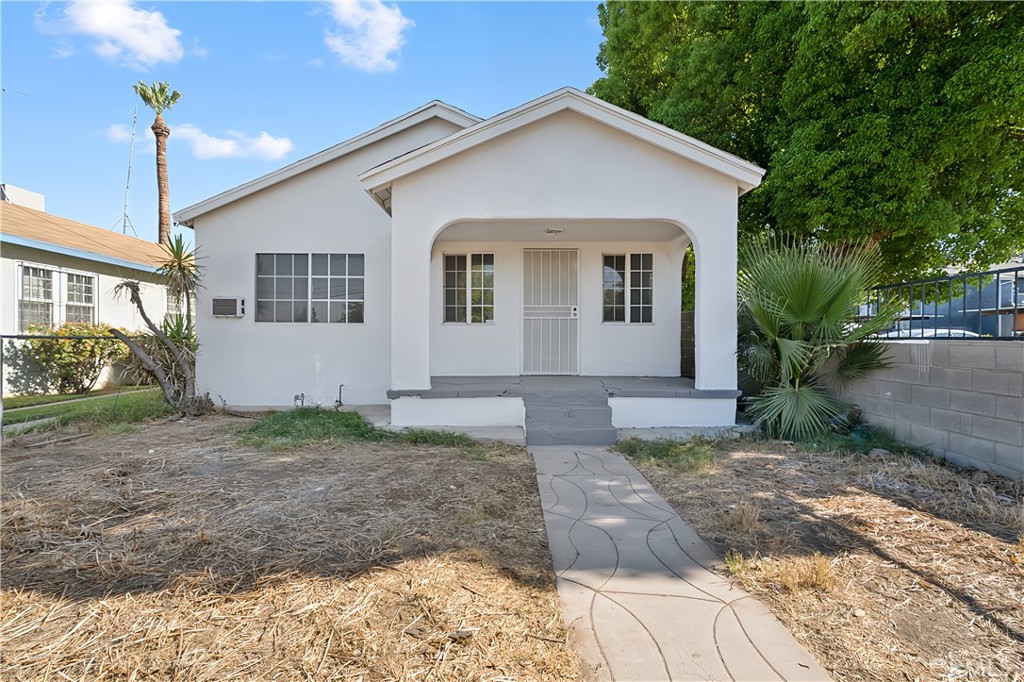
(432, 261)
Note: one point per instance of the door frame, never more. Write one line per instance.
(522, 309)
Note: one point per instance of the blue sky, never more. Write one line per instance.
(263, 84)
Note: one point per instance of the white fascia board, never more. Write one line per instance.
(746, 174)
(435, 109)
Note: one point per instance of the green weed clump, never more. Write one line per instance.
(697, 453)
(307, 425)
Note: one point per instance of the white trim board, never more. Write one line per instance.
(747, 175)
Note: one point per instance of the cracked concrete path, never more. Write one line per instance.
(638, 592)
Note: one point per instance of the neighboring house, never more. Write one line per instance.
(547, 240)
(54, 270)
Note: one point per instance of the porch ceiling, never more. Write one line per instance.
(555, 230)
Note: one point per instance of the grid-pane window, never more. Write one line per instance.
(282, 287)
(469, 288)
(481, 283)
(338, 290)
(455, 288)
(79, 305)
(302, 287)
(614, 288)
(641, 287)
(36, 304)
(628, 288)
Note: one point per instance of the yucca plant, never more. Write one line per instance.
(800, 329)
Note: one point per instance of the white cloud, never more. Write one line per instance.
(234, 145)
(123, 32)
(118, 132)
(369, 33)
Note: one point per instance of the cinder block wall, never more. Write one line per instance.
(963, 400)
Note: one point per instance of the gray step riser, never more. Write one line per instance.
(571, 437)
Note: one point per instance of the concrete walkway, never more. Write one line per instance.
(637, 589)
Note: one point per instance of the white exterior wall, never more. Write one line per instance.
(109, 309)
(112, 310)
(565, 167)
(323, 210)
(606, 349)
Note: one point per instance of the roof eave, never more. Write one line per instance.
(436, 109)
(75, 253)
(746, 174)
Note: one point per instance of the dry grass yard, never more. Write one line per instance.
(886, 568)
(177, 553)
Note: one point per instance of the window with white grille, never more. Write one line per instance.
(80, 302)
(628, 288)
(318, 287)
(36, 304)
(469, 288)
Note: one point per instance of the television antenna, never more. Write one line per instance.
(125, 222)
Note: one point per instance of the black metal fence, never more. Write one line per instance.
(959, 306)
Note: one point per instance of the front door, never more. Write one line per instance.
(551, 311)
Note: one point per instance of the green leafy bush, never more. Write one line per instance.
(69, 364)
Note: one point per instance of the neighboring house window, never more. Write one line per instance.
(80, 302)
(36, 304)
(628, 288)
(469, 291)
(285, 292)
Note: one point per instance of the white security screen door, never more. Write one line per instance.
(551, 311)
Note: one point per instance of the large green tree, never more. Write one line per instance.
(899, 122)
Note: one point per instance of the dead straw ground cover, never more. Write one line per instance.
(174, 553)
(886, 568)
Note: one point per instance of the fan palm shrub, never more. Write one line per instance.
(800, 329)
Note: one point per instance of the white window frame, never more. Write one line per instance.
(66, 294)
(627, 282)
(58, 293)
(348, 301)
(468, 288)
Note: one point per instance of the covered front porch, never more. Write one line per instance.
(565, 409)
(549, 241)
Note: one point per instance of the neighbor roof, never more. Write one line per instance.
(39, 230)
(435, 109)
(747, 175)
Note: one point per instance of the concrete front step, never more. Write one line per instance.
(566, 435)
(569, 420)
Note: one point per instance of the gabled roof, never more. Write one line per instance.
(435, 109)
(747, 175)
(38, 230)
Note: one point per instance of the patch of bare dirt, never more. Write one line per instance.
(174, 553)
(886, 568)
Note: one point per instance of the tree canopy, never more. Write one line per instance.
(902, 123)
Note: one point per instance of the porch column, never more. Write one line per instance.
(410, 302)
(715, 317)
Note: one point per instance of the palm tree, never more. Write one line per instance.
(158, 97)
(800, 329)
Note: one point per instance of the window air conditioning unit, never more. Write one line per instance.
(229, 307)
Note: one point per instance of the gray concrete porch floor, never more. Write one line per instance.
(522, 386)
(638, 591)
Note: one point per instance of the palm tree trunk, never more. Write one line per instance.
(162, 132)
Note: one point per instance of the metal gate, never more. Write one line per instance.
(551, 311)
